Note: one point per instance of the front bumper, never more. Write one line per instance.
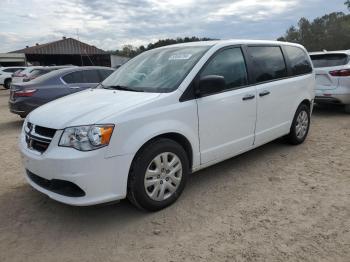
(101, 179)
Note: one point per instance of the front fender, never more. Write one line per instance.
(131, 135)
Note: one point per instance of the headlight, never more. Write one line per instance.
(86, 138)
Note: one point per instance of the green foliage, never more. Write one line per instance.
(329, 32)
(347, 3)
(131, 51)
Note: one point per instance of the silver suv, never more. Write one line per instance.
(332, 77)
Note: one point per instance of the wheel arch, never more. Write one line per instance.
(306, 102)
(178, 138)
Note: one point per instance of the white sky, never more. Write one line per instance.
(109, 24)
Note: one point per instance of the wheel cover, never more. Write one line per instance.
(163, 176)
(302, 124)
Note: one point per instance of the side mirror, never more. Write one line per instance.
(210, 84)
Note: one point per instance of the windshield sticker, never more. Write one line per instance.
(180, 57)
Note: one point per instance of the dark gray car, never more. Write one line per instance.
(26, 96)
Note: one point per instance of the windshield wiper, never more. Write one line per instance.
(123, 88)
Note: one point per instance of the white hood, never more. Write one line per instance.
(87, 107)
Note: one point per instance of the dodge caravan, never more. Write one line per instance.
(164, 114)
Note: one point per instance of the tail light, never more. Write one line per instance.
(25, 93)
(343, 72)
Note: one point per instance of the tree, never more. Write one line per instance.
(131, 51)
(330, 32)
(347, 3)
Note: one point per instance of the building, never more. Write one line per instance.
(117, 61)
(11, 59)
(67, 51)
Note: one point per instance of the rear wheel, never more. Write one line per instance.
(158, 175)
(300, 125)
(7, 83)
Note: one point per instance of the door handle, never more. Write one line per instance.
(74, 87)
(248, 97)
(264, 93)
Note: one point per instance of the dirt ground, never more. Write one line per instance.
(275, 203)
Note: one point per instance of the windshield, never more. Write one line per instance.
(160, 70)
(329, 60)
(38, 72)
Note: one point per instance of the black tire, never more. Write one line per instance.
(293, 137)
(7, 83)
(137, 194)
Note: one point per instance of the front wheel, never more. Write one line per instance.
(300, 125)
(158, 175)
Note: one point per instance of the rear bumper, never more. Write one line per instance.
(21, 107)
(334, 96)
(17, 79)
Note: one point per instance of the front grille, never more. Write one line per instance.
(38, 138)
(57, 186)
(44, 131)
(37, 144)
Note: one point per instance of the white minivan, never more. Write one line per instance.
(164, 114)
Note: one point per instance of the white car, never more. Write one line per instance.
(164, 114)
(6, 75)
(332, 77)
(19, 76)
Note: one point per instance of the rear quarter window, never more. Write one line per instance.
(329, 60)
(298, 60)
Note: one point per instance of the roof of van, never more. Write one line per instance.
(331, 52)
(233, 42)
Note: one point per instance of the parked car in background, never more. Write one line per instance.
(18, 76)
(332, 77)
(42, 71)
(165, 113)
(26, 96)
(6, 75)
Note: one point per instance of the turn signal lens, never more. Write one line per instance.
(106, 134)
